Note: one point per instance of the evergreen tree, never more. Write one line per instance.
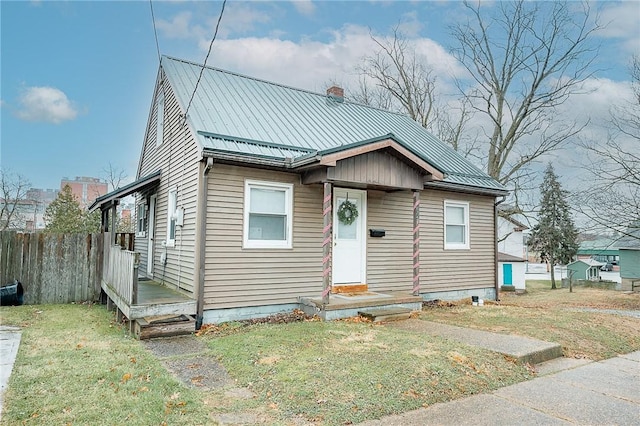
(555, 235)
(65, 216)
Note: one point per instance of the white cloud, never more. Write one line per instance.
(308, 64)
(410, 25)
(305, 7)
(178, 27)
(46, 104)
(620, 21)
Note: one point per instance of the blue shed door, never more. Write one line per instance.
(507, 272)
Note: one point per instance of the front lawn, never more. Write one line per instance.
(555, 316)
(346, 372)
(76, 366)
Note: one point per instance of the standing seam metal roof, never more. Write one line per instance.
(294, 122)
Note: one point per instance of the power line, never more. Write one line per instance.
(205, 60)
(155, 32)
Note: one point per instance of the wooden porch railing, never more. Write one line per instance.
(120, 271)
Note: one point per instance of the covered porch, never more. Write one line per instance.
(135, 297)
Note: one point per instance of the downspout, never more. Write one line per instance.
(495, 249)
(202, 234)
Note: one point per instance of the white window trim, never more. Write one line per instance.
(284, 244)
(160, 119)
(457, 246)
(172, 207)
(145, 207)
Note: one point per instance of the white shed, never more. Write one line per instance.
(511, 271)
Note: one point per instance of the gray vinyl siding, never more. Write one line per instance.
(389, 259)
(178, 158)
(445, 270)
(237, 277)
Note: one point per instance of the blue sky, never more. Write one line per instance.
(77, 77)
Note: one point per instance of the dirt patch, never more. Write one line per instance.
(174, 346)
(200, 372)
(186, 358)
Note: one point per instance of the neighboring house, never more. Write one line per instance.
(511, 236)
(630, 268)
(629, 246)
(603, 250)
(242, 205)
(587, 269)
(511, 252)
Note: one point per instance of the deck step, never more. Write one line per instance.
(390, 314)
(164, 326)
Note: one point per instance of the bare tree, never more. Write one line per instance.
(613, 198)
(13, 193)
(524, 60)
(395, 78)
(114, 176)
(396, 69)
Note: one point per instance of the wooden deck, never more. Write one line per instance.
(153, 299)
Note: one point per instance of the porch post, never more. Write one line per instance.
(327, 234)
(416, 243)
(114, 215)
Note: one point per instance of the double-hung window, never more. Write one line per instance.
(456, 225)
(268, 211)
(141, 220)
(172, 216)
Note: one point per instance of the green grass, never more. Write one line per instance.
(551, 315)
(339, 372)
(75, 366)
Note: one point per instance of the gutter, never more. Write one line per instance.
(495, 245)
(202, 234)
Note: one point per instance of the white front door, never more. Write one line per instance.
(150, 234)
(349, 240)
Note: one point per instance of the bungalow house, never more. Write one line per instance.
(254, 198)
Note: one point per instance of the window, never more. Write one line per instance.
(268, 218)
(171, 217)
(141, 220)
(160, 119)
(456, 225)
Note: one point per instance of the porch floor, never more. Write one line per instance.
(153, 293)
(153, 299)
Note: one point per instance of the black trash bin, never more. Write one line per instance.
(12, 294)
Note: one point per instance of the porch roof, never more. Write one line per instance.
(106, 200)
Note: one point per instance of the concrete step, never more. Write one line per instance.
(164, 326)
(389, 314)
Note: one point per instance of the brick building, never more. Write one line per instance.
(86, 189)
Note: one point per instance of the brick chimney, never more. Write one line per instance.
(336, 93)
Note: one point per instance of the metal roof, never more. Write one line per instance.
(271, 120)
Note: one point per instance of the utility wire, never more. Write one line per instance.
(155, 32)
(205, 60)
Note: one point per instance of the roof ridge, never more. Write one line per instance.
(297, 89)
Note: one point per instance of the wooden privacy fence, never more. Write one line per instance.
(53, 268)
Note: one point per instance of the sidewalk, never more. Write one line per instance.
(9, 343)
(599, 393)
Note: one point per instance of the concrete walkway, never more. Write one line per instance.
(9, 343)
(599, 393)
(522, 349)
